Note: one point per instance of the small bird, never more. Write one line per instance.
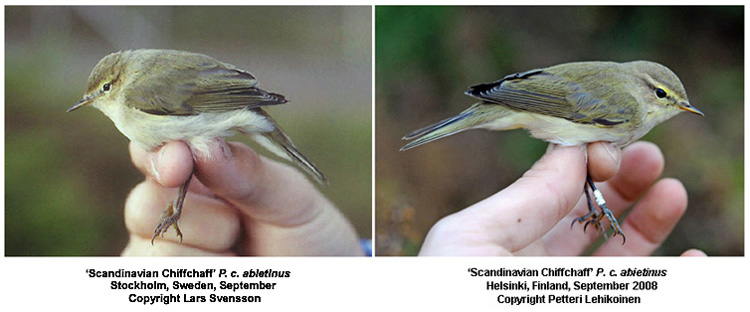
(573, 104)
(157, 96)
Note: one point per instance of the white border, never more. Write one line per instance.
(366, 284)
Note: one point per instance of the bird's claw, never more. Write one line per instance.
(168, 218)
(614, 224)
(593, 219)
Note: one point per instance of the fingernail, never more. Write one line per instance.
(152, 161)
(613, 152)
(215, 149)
(551, 147)
(226, 151)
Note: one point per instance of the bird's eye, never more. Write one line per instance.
(660, 93)
(107, 86)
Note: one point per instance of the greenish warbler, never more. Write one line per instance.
(573, 104)
(156, 96)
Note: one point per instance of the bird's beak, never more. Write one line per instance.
(87, 99)
(687, 107)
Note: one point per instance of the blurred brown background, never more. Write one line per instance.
(67, 175)
(426, 57)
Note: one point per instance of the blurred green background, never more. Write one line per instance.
(426, 57)
(67, 175)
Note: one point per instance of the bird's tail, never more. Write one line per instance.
(279, 143)
(473, 117)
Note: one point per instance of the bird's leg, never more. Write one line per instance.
(592, 217)
(593, 214)
(172, 214)
(605, 211)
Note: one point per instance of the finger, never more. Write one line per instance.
(460, 235)
(693, 253)
(534, 203)
(170, 165)
(641, 164)
(634, 178)
(211, 224)
(603, 160)
(267, 191)
(284, 214)
(651, 220)
(141, 246)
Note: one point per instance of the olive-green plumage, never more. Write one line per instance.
(571, 104)
(197, 83)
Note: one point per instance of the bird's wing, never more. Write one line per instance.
(209, 87)
(545, 93)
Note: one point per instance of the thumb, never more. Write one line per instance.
(527, 209)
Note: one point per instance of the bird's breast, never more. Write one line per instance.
(151, 131)
(560, 131)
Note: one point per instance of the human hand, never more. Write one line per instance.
(239, 203)
(533, 216)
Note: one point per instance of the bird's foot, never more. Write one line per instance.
(592, 218)
(612, 223)
(168, 218)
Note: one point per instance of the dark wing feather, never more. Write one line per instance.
(541, 92)
(221, 89)
(211, 86)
